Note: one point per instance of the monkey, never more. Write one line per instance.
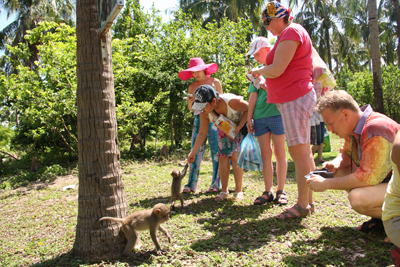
(176, 192)
(35, 165)
(150, 219)
(164, 152)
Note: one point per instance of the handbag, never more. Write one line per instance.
(250, 155)
(322, 77)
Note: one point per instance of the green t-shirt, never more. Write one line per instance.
(262, 108)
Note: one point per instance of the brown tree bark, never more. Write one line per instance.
(101, 191)
(375, 55)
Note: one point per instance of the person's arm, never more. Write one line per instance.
(342, 160)
(252, 105)
(396, 150)
(218, 86)
(240, 105)
(284, 54)
(191, 99)
(201, 136)
(348, 182)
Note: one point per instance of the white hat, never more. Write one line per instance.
(258, 43)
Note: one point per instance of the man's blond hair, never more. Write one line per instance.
(337, 100)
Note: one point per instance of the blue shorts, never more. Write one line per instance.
(270, 124)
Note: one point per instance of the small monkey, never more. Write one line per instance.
(35, 165)
(176, 192)
(150, 219)
(164, 152)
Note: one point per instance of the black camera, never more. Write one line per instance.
(324, 173)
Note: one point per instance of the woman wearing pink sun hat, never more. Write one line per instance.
(201, 72)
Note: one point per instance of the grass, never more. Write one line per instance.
(37, 224)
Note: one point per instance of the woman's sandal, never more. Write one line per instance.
(222, 196)
(238, 196)
(287, 214)
(212, 189)
(187, 189)
(281, 198)
(263, 200)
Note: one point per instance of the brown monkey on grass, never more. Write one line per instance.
(164, 152)
(176, 192)
(150, 219)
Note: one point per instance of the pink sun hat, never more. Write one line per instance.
(197, 64)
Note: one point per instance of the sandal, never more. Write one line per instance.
(212, 189)
(187, 189)
(238, 196)
(395, 255)
(287, 214)
(371, 225)
(263, 200)
(222, 196)
(281, 198)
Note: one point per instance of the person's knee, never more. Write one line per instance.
(357, 201)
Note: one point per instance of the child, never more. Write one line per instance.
(211, 104)
(267, 125)
(201, 72)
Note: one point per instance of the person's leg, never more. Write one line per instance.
(266, 155)
(224, 169)
(213, 143)
(281, 160)
(194, 168)
(368, 200)
(320, 141)
(237, 172)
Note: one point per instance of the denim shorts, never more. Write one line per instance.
(272, 124)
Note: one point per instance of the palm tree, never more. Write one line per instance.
(376, 55)
(101, 191)
(28, 14)
(208, 11)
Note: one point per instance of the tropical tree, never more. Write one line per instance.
(101, 191)
(376, 55)
(209, 11)
(28, 15)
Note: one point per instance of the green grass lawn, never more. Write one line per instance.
(38, 224)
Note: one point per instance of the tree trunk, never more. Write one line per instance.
(397, 8)
(101, 191)
(328, 47)
(375, 55)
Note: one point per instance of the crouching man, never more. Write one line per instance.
(363, 166)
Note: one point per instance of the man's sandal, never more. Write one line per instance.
(238, 196)
(371, 225)
(222, 196)
(261, 200)
(281, 198)
(287, 214)
(212, 189)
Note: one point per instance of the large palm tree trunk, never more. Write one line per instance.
(376, 55)
(101, 191)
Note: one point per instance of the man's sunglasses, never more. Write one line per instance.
(267, 21)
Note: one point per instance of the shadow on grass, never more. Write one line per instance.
(68, 259)
(340, 246)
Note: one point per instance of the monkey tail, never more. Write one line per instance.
(118, 220)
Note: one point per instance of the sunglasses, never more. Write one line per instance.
(267, 21)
